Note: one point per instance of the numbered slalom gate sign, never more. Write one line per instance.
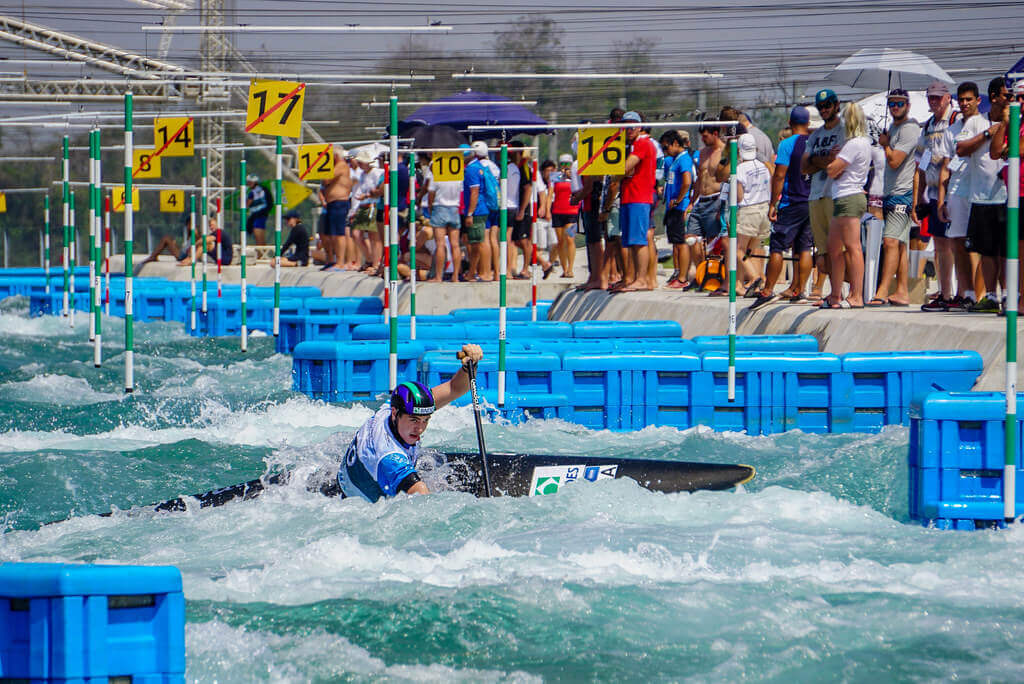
(171, 201)
(601, 151)
(145, 164)
(174, 136)
(316, 162)
(119, 199)
(275, 108)
(3, 203)
(447, 166)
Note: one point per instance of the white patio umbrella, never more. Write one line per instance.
(878, 68)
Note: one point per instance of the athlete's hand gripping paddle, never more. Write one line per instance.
(471, 371)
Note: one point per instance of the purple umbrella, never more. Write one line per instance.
(461, 116)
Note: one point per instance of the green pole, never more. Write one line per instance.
(192, 258)
(129, 246)
(66, 207)
(90, 219)
(277, 240)
(393, 247)
(242, 211)
(72, 229)
(732, 269)
(97, 222)
(1012, 270)
(204, 203)
(502, 270)
(46, 240)
(412, 248)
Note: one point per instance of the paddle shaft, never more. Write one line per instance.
(471, 370)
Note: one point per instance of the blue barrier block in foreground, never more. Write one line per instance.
(956, 459)
(91, 623)
(347, 371)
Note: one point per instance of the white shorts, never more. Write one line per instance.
(546, 235)
(959, 210)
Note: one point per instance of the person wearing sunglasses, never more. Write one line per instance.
(899, 143)
(823, 144)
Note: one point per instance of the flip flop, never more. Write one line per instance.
(898, 304)
(754, 291)
(877, 303)
(845, 304)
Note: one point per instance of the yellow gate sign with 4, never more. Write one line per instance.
(601, 152)
(316, 162)
(174, 137)
(145, 164)
(447, 166)
(275, 108)
(172, 201)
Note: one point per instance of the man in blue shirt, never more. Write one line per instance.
(475, 219)
(678, 177)
(789, 214)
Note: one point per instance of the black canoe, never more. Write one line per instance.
(516, 475)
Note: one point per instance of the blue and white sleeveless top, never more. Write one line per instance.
(376, 461)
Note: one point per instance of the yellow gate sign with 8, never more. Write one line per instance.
(3, 203)
(145, 164)
(316, 162)
(601, 152)
(447, 166)
(119, 199)
(172, 201)
(174, 136)
(275, 108)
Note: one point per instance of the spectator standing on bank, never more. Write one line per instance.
(679, 177)
(899, 144)
(753, 192)
(823, 144)
(638, 193)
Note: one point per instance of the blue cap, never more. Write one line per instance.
(631, 117)
(825, 95)
(799, 115)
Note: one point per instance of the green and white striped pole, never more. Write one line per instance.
(192, 259)
(72, 229)
(129, 246)
(393, 247)
(732, 269)
(244, 333)
(90, 219)
(65, 251)
(502, 269)
(204, 203)
(46, 240)
(1012, 269)
(97, 254)
(412, 248)
(277, 239)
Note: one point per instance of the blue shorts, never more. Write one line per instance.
(445, 217)
(493, 219)
(704, 218)
(792, 230)
(256, 221)
(337, 217)
(936, 226)
(636, 219)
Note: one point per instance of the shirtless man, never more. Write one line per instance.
(335, 195)
(703, 224)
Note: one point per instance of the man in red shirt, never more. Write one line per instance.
(637, 199)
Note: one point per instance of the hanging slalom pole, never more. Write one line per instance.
(220, 230)
(386, 256)
(502, 269)
(129, 246)
(392, 231)
(534, 270)
(72, 229)
(277, 241)
(107, 246)
(204, 205)
(46, 240)
(192, 259)
(92, 231)
(96, 245)
(1012, 270)
(732, 269)
(65, 251)
(242, 199)
(412, 249)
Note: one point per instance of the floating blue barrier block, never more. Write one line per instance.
(347, 371)
(339, 306)
(883, 384)
(629, 329)
(656, 345)
(91, 623)
(758, 343)
(155, 304)
(518, 408)
(748, 411)
(490, 314)
(261, 312)
(809, 392)
(664, 390)
(956, 458)
(525, 372)
(562, 346)
(518, 330)
(424, 330)
(599, 387)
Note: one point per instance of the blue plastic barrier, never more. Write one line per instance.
(339, 306)
(758, 343)
(883, 384)
(517, 330)
(512, 313)
(630, 329)
(424, 330)
(956, 459)
(525, 372)
(347, 371)
(91, 623)
(753, 391)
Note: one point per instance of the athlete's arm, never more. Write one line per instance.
(447, 392)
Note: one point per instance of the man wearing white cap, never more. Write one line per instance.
(937, 145)
(752, 226)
